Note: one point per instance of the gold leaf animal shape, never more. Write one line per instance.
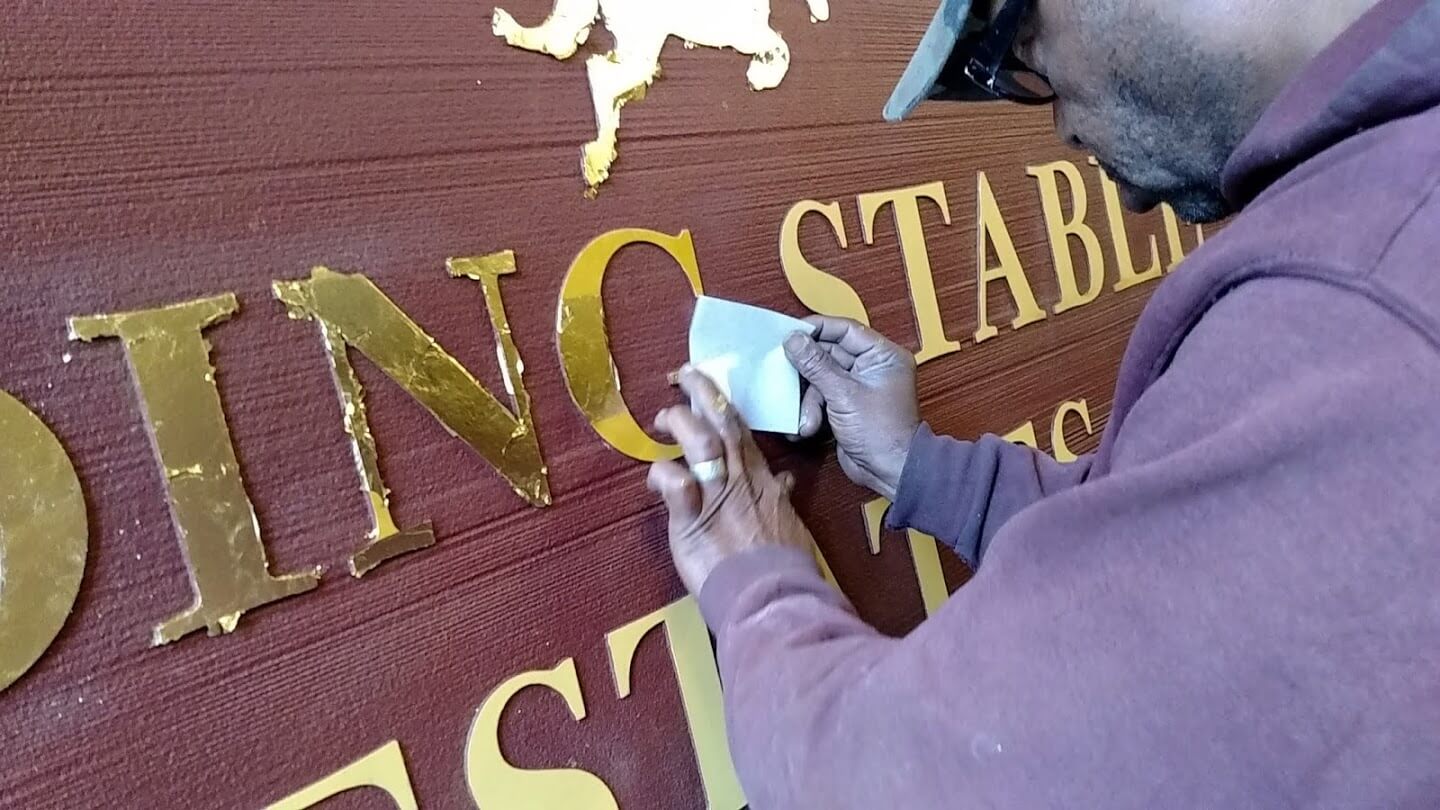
(640, 28)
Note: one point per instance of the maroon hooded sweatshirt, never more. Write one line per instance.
(1235, 603)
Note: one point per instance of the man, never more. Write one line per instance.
(1235, 602)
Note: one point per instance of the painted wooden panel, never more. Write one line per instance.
(155, 153)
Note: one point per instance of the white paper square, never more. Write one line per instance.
(741, 348)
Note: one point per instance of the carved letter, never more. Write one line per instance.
(43, 538)
(817, 289)
(1025, 434)
(1060, 449)
(906, 204)
(585, 347)
(1062, 230)
(385, 540)
(495, 783)
(353, 312)
(383, 768)
(1172, 236)
(1121, 240)
(213, 516)
(826, 572)
(924, 555)
(699, 680)
(992, 226)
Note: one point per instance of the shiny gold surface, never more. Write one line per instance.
(584, 342)
(905, 203)
(992, 228)
(817, 289)
(353, 312)
(1025, 434)
(826, 572)
(494, 782)
(385, 540)
(213, 516)
(699, 680)
(383, 768)
(640, 29)
(43, 538)
(924, 556)
(1058, 447)
(1061, 229)
(1127, 277)
(1172, 235)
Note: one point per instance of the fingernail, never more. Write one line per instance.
(797, 341)
(673, 377)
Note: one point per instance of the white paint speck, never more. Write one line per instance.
(65, 358)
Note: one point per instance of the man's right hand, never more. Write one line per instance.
(865, 386)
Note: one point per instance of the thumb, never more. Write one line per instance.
(814, 363)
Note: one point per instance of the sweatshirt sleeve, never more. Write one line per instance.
(821, 708)
(1216, 565)
(962, 492)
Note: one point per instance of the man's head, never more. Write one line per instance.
(1163, 91)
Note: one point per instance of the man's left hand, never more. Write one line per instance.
(724, 500)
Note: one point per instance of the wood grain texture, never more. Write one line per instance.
(155, 152)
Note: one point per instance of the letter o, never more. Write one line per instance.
(43, 538)
(584, 343)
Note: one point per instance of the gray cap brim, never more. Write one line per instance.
(918, 82)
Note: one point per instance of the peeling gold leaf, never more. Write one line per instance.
(353, 312)
(43, 538)
(640, 28)
(214, 519)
